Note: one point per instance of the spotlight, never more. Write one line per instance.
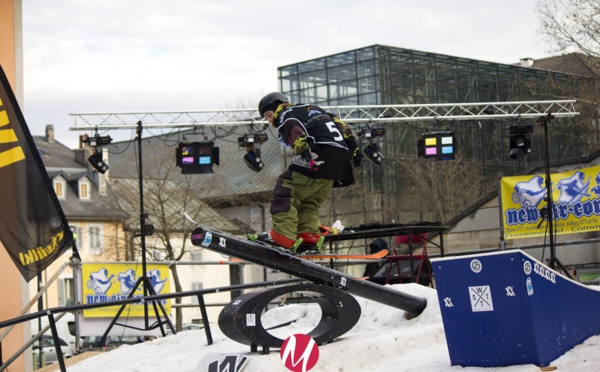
(95, 159)
(252, 141)
(98, 141)
(372, 132)
(519, 140)
(437, 145)
(372, 152)
(97, 162)
(253, 160)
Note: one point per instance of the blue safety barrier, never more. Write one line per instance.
(507, 308)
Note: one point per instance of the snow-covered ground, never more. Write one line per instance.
(384, 339)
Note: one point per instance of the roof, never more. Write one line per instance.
(573, 63)
(60, 160)
(231, 178)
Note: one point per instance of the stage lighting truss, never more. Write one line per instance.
(96, 144)
(437, 145)
(371, 151)
(519, 140)
(252, 142)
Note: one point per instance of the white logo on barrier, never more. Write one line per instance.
(448, 302)
(481, 298)
(476, 266)
(250, 320)
(527, 267)
(222, 242)
(510, 292)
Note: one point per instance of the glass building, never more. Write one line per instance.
(385, 75)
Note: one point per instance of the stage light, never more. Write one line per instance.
(197, 157)
(97, 162)
(437, 145)
(252, 158)
(371, 151)
(519, 140)
(96, 144)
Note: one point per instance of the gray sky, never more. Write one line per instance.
(151, 55)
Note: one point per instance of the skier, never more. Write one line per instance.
(323, 149)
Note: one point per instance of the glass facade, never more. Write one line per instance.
(384, 75)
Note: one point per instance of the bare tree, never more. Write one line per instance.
(444, 187)
(167, 194)
(571, 25)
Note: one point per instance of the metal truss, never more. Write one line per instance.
(349, 114)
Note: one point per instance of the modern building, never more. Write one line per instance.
(386, 75)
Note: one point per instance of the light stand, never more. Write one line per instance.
(553, 261)
(144, 279)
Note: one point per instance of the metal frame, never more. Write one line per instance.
(349, 114)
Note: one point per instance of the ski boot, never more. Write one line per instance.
(277, 240)
(312, 243)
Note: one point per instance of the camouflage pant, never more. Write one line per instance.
(296, 202)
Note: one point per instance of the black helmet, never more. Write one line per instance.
(270, 102)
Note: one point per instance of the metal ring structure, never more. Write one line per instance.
(240, 320)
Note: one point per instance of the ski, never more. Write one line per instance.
(326, 256)
(311, 255)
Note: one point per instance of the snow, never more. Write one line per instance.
(384, 339)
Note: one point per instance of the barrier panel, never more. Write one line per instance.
(507, 308)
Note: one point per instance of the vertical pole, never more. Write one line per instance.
(142, 221)
(549, 202)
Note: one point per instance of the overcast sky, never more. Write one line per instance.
(151, 55)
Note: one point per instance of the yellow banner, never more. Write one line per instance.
(576, 203)
(114, 281)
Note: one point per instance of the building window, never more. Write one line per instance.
(95, 239)
(65, 292)
(84, 190)
(196, 286)
(78, 232)
(196, 256)
(59, 188)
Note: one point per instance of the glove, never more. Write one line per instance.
(355, 154)
(308, 160)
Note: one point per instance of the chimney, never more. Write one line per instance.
(526, 62)
(103, 178)
(50, 133)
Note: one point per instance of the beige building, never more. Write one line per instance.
(12, 286)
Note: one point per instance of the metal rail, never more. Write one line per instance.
(349, 114)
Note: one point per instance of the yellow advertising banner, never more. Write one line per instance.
(104, 282)
(576, 203)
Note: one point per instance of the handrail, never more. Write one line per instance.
(56, 310)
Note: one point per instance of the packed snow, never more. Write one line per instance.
(384, 339)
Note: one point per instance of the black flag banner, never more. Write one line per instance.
(33, 227)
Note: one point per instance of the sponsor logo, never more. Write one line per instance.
(14, 154)
(207, 239)
(38, 254)
(476, 266)
(527, 267)
(231, 363)
(299, 353)
(529, 287)
(544, 272)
